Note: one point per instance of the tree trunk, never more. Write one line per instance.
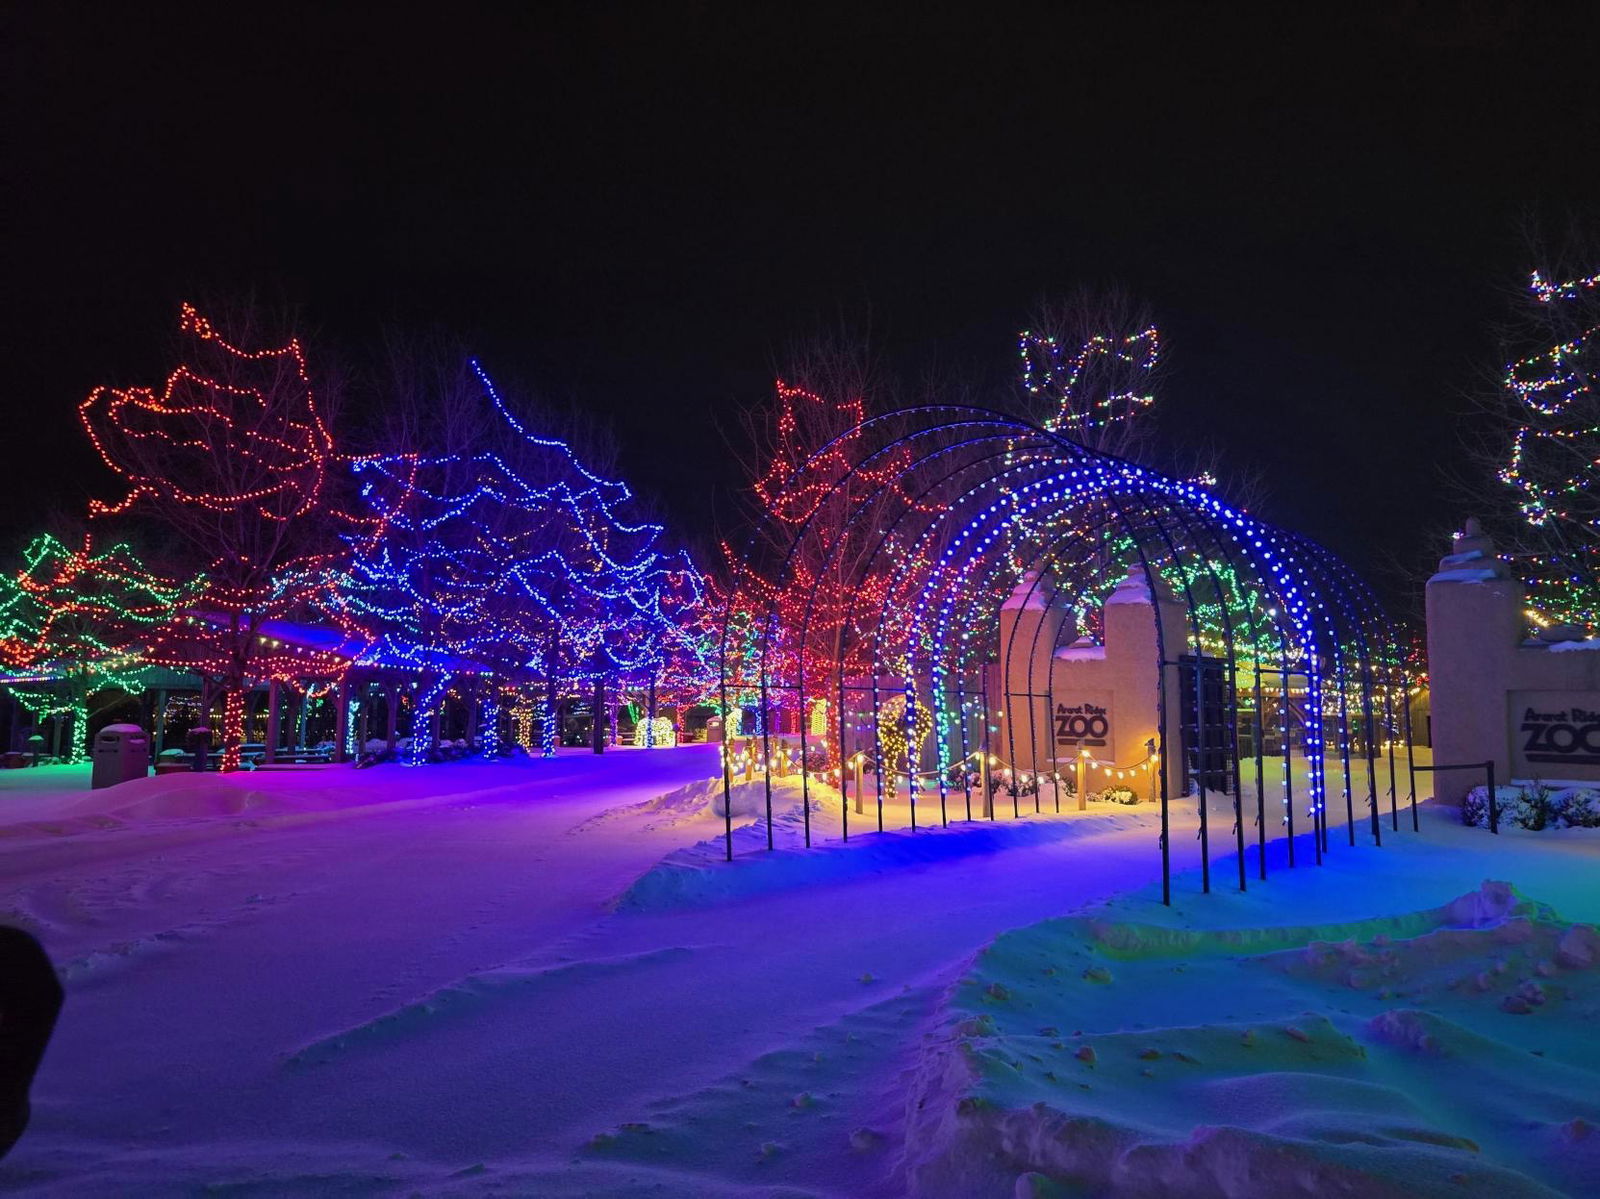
(232, 722)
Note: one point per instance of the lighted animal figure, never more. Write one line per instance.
(892, 736)
(1091, 386)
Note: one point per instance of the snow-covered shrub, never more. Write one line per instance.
(1124, 795)
(1579, 808)
(1475, 807)
(1534, 808)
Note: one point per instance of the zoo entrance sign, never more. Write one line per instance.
(1086, 724)
(1560, 728)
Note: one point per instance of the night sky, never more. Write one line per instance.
(636, 208)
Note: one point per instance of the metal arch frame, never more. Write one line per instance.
(1260, 561)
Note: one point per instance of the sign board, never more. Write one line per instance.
(1084, 722)
(1554, 734)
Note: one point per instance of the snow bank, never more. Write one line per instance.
(1441, 1052)
(187, 796)
(700, 874)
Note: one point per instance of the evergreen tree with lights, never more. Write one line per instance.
(76, 623)
(1555, 449)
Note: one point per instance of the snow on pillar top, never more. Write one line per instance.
(1136, 590)
(1472, 558)
(1028, 596)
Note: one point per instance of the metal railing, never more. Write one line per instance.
(1487, 767)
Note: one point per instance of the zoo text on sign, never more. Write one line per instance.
(1083, 724)
(1571, 736)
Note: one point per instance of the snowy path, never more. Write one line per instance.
(433, 994)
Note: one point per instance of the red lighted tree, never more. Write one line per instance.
(814, 487)
(231, 459)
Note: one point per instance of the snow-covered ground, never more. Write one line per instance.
(541, 978)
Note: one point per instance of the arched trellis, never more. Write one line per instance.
(988, 515)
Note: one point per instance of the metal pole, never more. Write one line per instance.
(988, 758)
(844, 787)
(1389, 730)
(1261, 779)
(1200, 764)
(727, 764)
(1411, 761)
(1288, 754)
(766, 748)
(877, 745)
(966, 744)
(1050, 730)
(1238, 781)
(805, 775)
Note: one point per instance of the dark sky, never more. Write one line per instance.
(638, 206)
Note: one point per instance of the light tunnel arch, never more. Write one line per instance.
(980, 510)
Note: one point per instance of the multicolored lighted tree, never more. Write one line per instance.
(75, 623)
(231, 458)
(1555, 451)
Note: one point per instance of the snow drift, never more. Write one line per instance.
(1441, 1052)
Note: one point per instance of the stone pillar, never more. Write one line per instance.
(1134, 671)
(1476, 622)
(1029, 628)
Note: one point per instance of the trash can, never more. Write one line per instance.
(198, 743)
(121, 752)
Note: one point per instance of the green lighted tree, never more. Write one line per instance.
(73, 624)
(1556, 448)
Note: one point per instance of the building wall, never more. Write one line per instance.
(1530, 705)
(1057, 699)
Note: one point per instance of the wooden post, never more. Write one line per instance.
(341, 721)
(302, 711)
(391, 703)
(274, 727)
(1083, 783)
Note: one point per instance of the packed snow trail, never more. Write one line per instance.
(435, 991)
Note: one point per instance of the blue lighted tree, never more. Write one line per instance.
(506, 557)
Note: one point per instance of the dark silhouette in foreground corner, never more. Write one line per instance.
(30, 1000)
